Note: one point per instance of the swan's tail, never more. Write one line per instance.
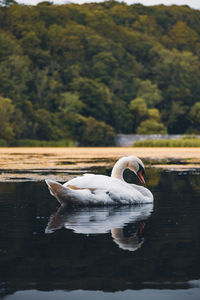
(63, 194)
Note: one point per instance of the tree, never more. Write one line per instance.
(96, 97)
(14, 75)
(194, 117)
(9, 46)
(27, 122)
(154, 114)
(139, 111)
(117, 63)
(178, 121)
(45, 126)
(120, 117)
(91, 132)
(122, 14)
(6, 113)
(178, 75)
(151, 127)
(147, 24)
(181, 37)
(103, 65)
(149, 92)
(46, 88)
(69, 110)
(147, 121)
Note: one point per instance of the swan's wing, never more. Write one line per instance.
(126, 195)
(144, 191)
(69, 194)
(117, 190)
(91, 181)
(110, 190)
(99, 190)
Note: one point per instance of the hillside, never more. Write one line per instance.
(86, 72)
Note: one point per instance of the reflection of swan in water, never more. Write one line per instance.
(92, 220)
(99, 190)
(131, 243)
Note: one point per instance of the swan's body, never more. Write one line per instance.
(91, 189)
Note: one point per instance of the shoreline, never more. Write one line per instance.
(39, 157)
(83, 152)
(34, 163)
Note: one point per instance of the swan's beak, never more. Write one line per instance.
(140, 176)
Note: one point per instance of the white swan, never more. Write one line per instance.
(91, 189)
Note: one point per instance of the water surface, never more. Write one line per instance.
(141, 252)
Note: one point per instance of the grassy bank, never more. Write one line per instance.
(183, 142)
(38, 143)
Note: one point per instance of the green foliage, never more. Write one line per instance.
(9, 46)
(139, 110)
(154, 114)
(45, 128)
(181, 36)
(96, 97)
(189, 136)
(6, 113)
(70, 105)
(3, 143)
(149, 92)
(139, 107)
(147, 121)
(186, 142)
(41, 143)
(128, 68)
(94, 133)
(177, 74)
(194, 116)
(14, 75)
(151, 127)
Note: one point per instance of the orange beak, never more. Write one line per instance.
(140, 176)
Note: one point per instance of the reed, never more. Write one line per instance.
(38, 143)
(183, 142)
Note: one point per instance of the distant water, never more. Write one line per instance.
(138, 252)
(129, 139)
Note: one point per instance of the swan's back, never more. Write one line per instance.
(111, 190)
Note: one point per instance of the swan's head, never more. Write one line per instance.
(129, 162)
(136, 165)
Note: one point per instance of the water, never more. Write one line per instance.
(138, 252)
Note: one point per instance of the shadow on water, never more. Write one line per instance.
(107, 249)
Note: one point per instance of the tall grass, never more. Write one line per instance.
(3, 143)
(183, 142)
(38, 143)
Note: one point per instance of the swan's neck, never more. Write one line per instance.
(119, 167)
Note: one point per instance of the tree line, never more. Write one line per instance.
(86, 72)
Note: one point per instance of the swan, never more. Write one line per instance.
(92, 189)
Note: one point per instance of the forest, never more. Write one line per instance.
(84, 73)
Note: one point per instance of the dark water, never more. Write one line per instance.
(139, 252)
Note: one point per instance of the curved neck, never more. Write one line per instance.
(119, 167)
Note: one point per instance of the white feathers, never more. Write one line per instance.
(91, 189)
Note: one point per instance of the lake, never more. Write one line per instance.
(138, 252)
